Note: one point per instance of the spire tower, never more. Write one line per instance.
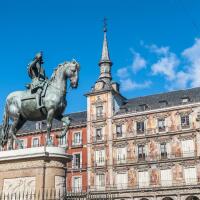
(105, 62)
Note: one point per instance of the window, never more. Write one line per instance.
(77, 161)
(100, 181)
(190, 176)
(163, 103)
(23, 144)
(187, 148)
(99, 111)
(100, 157)
(38, 126)
(163, 150)
(161, 124)
(143, 179)
(121, 180)
(185, 99)
(185, 122)
(77, 184)
(98, 134)
(166, 177)
(119, 130)
(35, 142)
(62, 140)
(77, 139)
(141, 152)
(140, 127)
(121, 155)
(143, 107)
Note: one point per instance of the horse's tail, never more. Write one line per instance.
(5, 128)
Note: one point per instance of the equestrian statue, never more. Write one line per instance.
(44, 99)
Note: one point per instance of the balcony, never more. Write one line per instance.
(146, 186)
(99, 117)
(76, 166)
(162, 157)
(98, 139)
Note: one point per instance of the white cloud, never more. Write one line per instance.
(122, 72)
(163, 50)
(192, 54)
(166, 65)
(128, 84)
(138, 62)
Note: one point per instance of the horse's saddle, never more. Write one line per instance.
(30, 95)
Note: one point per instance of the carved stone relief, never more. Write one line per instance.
(19, 185)
(60, 184)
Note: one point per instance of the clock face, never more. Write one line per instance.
(99, 86)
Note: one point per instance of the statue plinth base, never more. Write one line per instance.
(33, 170)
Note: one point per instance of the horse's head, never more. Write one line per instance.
(72, 71)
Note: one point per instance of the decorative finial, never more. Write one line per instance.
(105, 24)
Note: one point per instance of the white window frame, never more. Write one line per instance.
(97, 181)
(188, 149)
(122, 183)
(60, 141)
(121, 155)
(98, 113)
(75, 143)
(166, 177)
(73, 161)
(190, 174)
(143, 175)
(100, 157)
(78, 188)
(32, 144)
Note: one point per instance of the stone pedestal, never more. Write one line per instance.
(33, 170)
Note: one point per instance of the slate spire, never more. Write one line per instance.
(105, 62)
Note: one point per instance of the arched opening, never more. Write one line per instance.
(192, 198)
(167, 198)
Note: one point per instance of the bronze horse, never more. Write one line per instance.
(22, 106)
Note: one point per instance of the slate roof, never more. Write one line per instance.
(157, 101)
(77, 118)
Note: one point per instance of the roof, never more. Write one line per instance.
(157, 101)
(77, 118)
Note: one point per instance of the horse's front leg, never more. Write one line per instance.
(49, 126)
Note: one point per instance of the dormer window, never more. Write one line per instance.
(143, 107)
(185, 99)
(163, 103)
(38, 126)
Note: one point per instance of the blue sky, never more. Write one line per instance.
(153, 44)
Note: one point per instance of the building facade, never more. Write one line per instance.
(146, 147)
